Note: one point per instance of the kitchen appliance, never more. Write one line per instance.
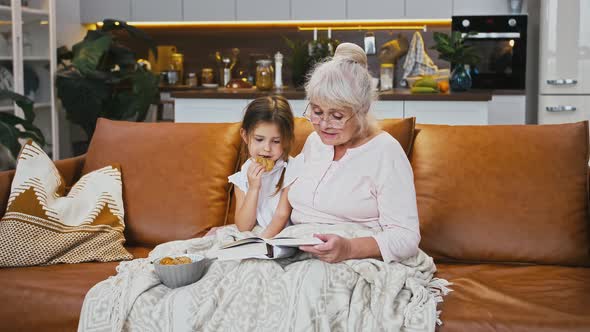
(500, 41)
(564, 73)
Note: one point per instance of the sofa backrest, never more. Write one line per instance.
(504, 193)
(174, 175)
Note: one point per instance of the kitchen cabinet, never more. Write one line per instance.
(375, 9)
(28, 65)
(451, 113)
(298, 106)
(92, 11)
(484, 7)
(209, 110)
(156, 10)
(318, 10)
(263, 10)
(383, 109)
(427, 112)
(207, 10)
(504, 110)
(429, 8)
(561, 109)
(564, 57)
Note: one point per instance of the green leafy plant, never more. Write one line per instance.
(13, 128)
(100, 77)
(452, 48)
(304, 55)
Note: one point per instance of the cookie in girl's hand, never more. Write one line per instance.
(267, 163)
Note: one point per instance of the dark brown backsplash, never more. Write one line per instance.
(199, 45)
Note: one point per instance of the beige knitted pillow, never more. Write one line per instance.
(42, 226)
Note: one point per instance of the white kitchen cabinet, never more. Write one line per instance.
(484, 7)
(388, 109)
(209, 110)
(503, 110)
(207, 10)
(375, 9)
(298, 106)
(92, 11)
(156, 10)
(318, 10)
(429, 8)
(561, 109)
(447, 112)
(564, 58)
(263, 10)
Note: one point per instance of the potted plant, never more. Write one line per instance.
(101, 77)
(452, 48)
(304, 55)
(13, 128)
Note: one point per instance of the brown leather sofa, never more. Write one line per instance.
(503, 210)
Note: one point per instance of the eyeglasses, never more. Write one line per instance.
(315, 115)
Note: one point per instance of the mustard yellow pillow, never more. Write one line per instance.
(43, 225)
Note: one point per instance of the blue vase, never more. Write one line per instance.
(460, 78)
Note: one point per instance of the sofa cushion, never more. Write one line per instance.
(503, 193)
(174, 175)
(43, 225)
(489, 297)
(49, 298)
(401, 129)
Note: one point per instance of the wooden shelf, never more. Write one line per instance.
(26, 58)
(8, 108)
(28, 14)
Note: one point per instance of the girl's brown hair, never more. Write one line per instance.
(275, 110)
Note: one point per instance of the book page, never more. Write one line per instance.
(242, 242)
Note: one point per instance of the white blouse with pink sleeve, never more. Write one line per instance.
(372, 184)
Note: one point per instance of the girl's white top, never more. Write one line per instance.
(267, 199)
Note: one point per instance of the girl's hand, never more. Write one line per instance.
(254, 173)
(335, 248)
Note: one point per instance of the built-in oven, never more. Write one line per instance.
(500, 42)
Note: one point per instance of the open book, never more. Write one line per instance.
(257, 247)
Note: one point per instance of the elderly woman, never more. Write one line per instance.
(352, 172)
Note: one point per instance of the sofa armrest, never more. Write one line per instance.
(70, 169)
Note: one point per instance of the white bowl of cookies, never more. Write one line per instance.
(180, 270)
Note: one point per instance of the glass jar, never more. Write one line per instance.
(207, 76)
(177, 63)
(191, 79)
(386, 76)
(264, 75)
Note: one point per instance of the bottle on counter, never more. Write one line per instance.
(264, 75)
(278, 70)
(386, 77)
(226, 71)
(191, 80)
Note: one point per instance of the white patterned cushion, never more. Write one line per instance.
(43, 225)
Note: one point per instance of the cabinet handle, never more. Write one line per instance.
(560, 108)
(562, 82)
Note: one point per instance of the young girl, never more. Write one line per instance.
(260, 187)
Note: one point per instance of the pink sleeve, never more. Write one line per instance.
(398, 211)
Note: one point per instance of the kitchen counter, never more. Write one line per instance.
(184, 92)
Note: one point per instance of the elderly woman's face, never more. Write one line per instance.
(334, 126)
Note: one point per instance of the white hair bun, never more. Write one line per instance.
(351, 52)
